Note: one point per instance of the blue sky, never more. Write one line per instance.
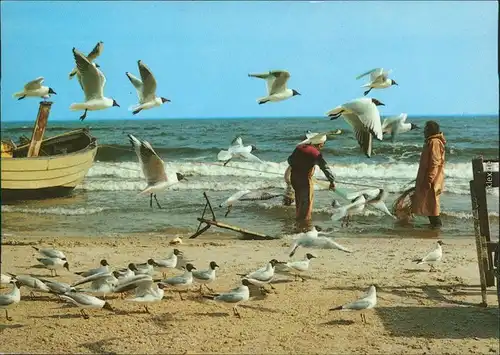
(443, 55)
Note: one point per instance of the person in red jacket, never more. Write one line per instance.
(302, 162)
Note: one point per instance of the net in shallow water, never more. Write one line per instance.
(401, 208)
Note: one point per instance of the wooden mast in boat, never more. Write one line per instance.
(39, 128)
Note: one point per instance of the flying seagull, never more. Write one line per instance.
(153, 168)
(363, 116)
(146, 89)
(276, 86)
(238, 150)
(92, 81)
(35, 89)
(397, 125)
(96, 52)
(378, 79)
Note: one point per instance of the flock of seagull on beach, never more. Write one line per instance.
(138, 279)
(361, 114)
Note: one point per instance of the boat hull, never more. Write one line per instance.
(48, 176)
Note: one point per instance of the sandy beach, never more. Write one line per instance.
(418, 312)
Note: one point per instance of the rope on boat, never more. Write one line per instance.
(233, 167)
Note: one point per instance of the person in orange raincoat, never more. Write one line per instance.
(302, 163)
(430, 177)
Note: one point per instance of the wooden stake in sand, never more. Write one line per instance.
(213, 222)
(485, 247)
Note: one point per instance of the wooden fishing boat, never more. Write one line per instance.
(46, 168)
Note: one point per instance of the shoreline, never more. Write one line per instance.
(417, 311)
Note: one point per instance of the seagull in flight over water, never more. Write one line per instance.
(153, 168)
(92, 82)
(238, 150)
(379, 79)
(363, 116)
(146, 89)
(96, 52)
(276, 86)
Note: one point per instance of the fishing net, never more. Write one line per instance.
(401, 208)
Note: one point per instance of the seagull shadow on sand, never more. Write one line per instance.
(61, 316)
(211, 314)
(10, 326)
(339, 322)
(98, 347)
(420, 293)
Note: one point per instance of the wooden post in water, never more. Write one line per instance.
(39, 128)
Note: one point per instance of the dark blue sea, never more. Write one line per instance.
(107, 203)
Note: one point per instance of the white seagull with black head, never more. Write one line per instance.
(153, 168)
(363, 116)
(276, 86)
(146, 89)
(92, 81)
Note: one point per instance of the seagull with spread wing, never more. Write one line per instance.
(247, 195)
(397, 125)
(238, 150)
(378, 79)
(96, 52)
(92, 81)
(146, 89)
(363, 116)
(35, 89)
(153, 168)
(276, 86)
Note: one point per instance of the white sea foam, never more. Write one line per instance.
(61, 211)
(394, 177)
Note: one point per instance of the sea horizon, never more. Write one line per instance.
(92, 119)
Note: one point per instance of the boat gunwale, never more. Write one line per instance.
(82, 131)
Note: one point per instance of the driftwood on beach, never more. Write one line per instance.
(246, 234)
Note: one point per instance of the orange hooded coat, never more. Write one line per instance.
(430, 177)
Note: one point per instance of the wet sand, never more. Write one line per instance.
(418, 312)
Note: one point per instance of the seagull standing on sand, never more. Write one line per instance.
(52, 264)
(262, 276)
(103, 268)
(378, 79)
(363, 116)
(238, 150)
(146, 89)
(100, 284)
(147, 292)
(84, 301)
(276, 86)
(247, 195)
(35, 89)
(182, 281)
(96, 52)
(170, 262)
(11, 299)
(235, 296)
(397, 125)
(204, 277)
(433, 257)
(367, 302)
(92, 81)
(146, 268)
(153, 169)
(311, 239)
(298, 266)
(50, 253)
